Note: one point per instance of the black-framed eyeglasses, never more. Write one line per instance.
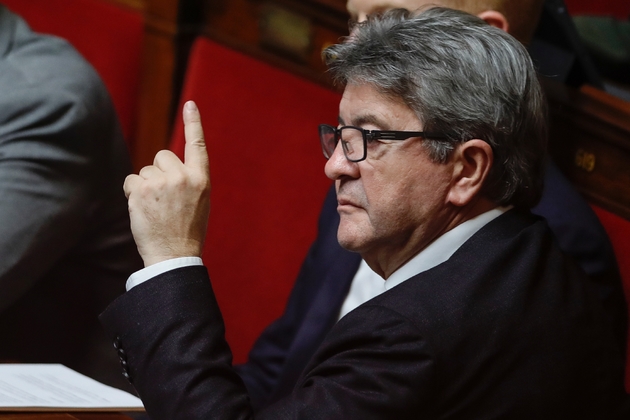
(354, 140)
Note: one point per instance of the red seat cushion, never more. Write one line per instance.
(109, 36)
(268, 181)
(618, 230)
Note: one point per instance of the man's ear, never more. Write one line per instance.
(472, 161)
(496, 19)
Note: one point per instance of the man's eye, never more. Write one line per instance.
(374, 144)
(372, 140)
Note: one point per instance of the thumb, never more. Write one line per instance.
(195, 153)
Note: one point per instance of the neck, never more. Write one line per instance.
(384, 262)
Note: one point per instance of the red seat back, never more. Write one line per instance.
(268, 181)
(109, 36)
(618, 230)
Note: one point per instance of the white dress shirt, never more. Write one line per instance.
(151, 271)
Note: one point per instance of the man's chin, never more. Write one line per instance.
(347, 245)
(350, 239)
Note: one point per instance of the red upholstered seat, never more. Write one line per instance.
(268, 181)
(618, 230)
(108, 35)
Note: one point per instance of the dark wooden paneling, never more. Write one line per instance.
(590, 141)
(260, 28)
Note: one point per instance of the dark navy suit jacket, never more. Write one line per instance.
(283, 350)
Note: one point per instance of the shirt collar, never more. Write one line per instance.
(443, 247)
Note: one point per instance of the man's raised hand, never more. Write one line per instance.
(169, 201)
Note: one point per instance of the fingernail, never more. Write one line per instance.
(191, 106)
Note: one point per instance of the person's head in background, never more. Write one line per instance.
(517, 17)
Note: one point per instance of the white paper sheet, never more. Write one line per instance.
(25, 387)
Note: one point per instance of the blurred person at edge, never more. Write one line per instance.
(65, 242)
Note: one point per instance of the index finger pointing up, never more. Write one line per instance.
(195, 153)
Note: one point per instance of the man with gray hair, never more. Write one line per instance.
(436, 159)
(333, 281)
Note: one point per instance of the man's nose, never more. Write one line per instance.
(338, 166)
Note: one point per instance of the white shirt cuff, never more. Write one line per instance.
(151, 271)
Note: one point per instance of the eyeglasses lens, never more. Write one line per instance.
(352, 142)
(328, 139)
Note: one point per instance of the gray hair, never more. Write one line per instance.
(462, 78)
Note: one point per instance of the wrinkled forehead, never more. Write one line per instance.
(365, 105)
(359, 9)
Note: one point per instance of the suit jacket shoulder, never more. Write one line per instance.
(510, 326)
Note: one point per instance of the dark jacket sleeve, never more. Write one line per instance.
(170, 336)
